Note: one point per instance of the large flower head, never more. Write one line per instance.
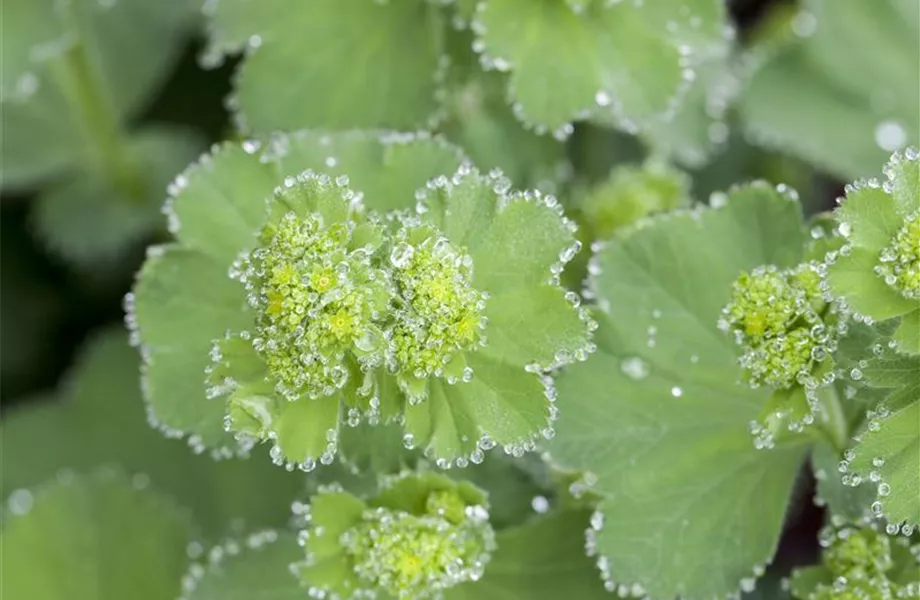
(445, 320)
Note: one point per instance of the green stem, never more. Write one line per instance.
(833, 420)
(95, 112)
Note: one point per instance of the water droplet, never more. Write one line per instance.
(20, 502)
(634, 368)
(539, 504)
(890, 136)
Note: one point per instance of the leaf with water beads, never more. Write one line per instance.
(92, 537)
(798, 96)
(542, 559)
(659, 416)
(69, 73)
(888, 453)
(257, 566)
(590, 57)
(479, 119)
(337, 64)
(531, 323)
(878, 271)
(183, 299)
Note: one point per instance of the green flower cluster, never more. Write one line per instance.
(899, 263)
(422, 534)
(357, 317)
(439, 312)
(783, 324)
(863, 563)
(318, 300)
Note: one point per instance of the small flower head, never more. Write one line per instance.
(440, 312)
(860, 553)
(860, 561)
(419, 535)
(899, 263)
(317, 300)
(782, 322)
(417, 556)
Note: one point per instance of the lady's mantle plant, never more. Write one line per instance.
(439, 316)
(418, 536)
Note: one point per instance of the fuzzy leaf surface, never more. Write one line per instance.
(86, 219)
(93, 538)
(541, 559)
(795, 101)
(659, 413)
(897, 443)
(62, 62)
(100, 420)
(333, 64)
(259, 572)
(620, 58)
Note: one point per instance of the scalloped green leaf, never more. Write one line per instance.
(907, 335)
(852, 276)
(480, 121)
(896, 441)
(182, 302)
(387, 167)
(333, 64)
(71, 75)
(259, 571)
(852, 67)
(848, 502)
(87, 219)
(622, 59)
(92, 538)
(541, 559)
(184, 299)
(659, 414)
(100, 419)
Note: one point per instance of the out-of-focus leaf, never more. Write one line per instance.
(100, 420)
(92, 538)
(88, 220)
(846, 95)
(73, 73)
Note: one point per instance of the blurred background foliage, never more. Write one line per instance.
(812, 95)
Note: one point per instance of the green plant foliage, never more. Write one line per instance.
(640, 415)
(878, 271)
(851, 64)
(463, 403)
(631, 193)
(92, 537)
(71, 82)
(523, 565)
(398, 46)
(623, 61)
(90, 220)
(99, 420)
(417, 537)
(352, 318)
(216, 209)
